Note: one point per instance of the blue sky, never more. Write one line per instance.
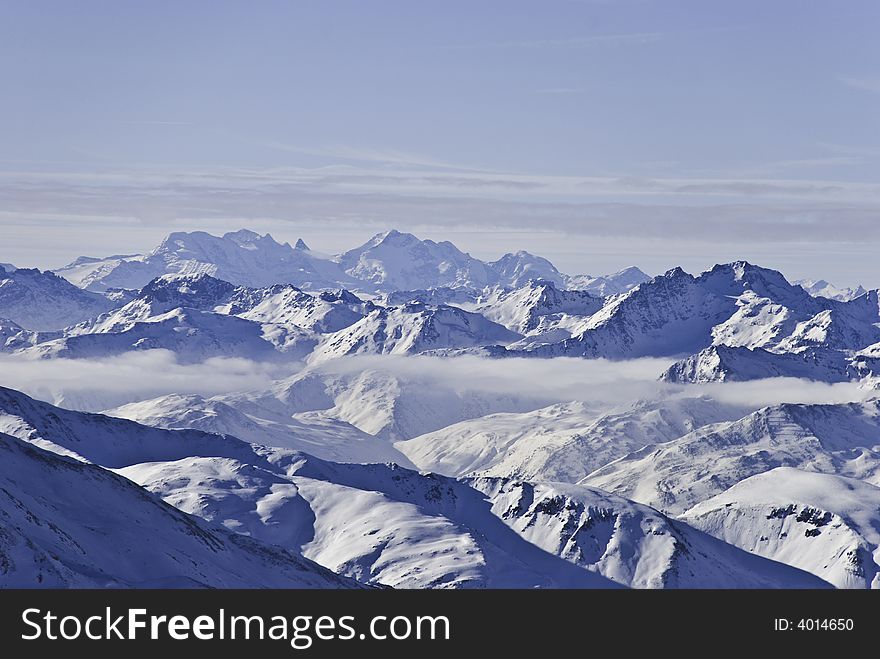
(605, 133)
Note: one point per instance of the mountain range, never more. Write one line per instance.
(736, 321)
(425, 419)
(378, 524)
(389, 261)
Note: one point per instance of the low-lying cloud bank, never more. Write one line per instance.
(598, 381)
(556, 380)
(95, 385)
(99, 384)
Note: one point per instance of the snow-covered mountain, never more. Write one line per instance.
(386, 525)
(793, 341)
(729, 319)
(563, 442)
(198, 317)
(825, 524)
(821, 288)
(386, 404)
(606, 285)
(88, 271)
(14, 337)
(518, 269)
(281, 304)
(457, 297)
(380, 351)
(644, 548)
(70, 524)
(410, 329)
(721, 363)
(671, 314)
(105, 440)
(866, 363)
(387, 262)
(241, 257)
(539, 309)
(192, 335)
(42, 301)
(839, 439)
(322, 436)
(323, 313)
(400, 261)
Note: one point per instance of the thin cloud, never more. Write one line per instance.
(360, 154)
(597, 381)
(98, 384)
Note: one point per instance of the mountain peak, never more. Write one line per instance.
(630, 274)
(341, 295)
(394, 237)
(244, 237)
(301, 245)
(43, 301)
(740, 275)
(675, 273)
(185, 288)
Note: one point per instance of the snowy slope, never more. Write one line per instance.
(323, 437)
(564, 442)
(411, 329)
(325, 312)
(388, 525)
(722, 363)
(736, 305)
(326, 512)
(834, 439)
(389, 261)
(394, 260)
(518, 269)
(814, 340)
(671, 314)
(69, 524)
(821, 288)
(865, 364)
(106, 440)
(276, 308)
(827, 525)
(539, 309)
(43, 301)
(14, 337)
(457, 297)
(88, 272)
(627, 542)
(191, 334)
(607, 285)
(388, 405)
(161, 296)
(380, 524)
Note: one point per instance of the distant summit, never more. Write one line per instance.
(389, 261)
